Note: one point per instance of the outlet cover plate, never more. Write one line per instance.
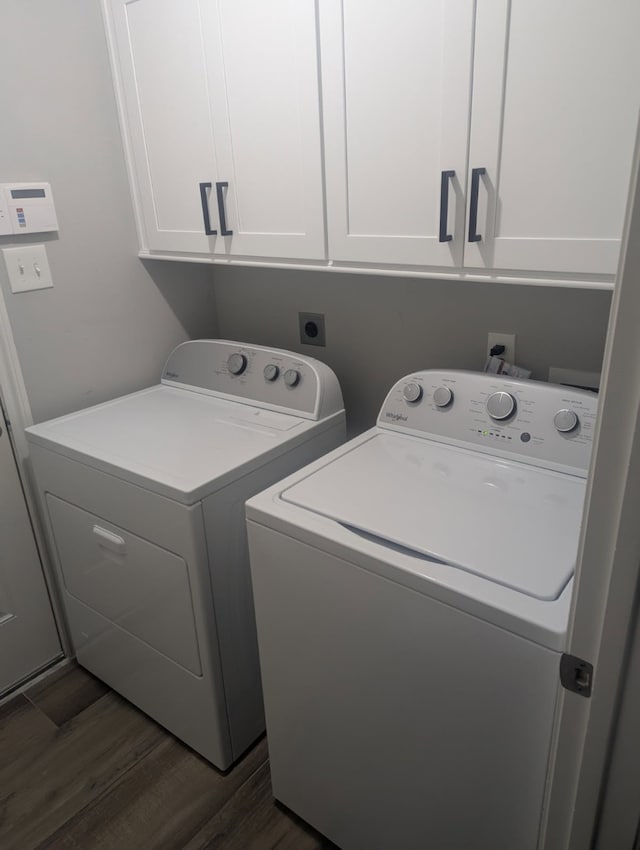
(509, 342)
(311, 328)
(27, 267)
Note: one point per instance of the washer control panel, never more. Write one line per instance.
(544, 424)
(262, 376)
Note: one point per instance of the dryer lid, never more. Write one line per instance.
(511, 523)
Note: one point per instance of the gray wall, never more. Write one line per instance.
(110, 320)
(108, 323)
(380, 328)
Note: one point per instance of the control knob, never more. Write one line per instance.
(270, 372)
(237, 363)
(565, 421)
(501, 405)
(292, 377)
(412, 392)
(442, 396)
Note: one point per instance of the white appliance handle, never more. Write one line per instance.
(109, 540)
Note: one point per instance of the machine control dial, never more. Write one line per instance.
(501, 405)
(270, 372)
(412, 392)
(237, 363)
(565, 421)
(442, 396)
(292, 377)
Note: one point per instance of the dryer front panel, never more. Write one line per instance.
(134, 584)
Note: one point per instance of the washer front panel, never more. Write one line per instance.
(395, 721)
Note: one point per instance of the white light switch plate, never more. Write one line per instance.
(27, 267)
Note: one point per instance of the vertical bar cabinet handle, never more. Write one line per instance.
(476, 174)
(205, 209)
(444, 205)
(221, 211)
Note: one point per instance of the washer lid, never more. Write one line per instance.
(514, 524)
(174, 442)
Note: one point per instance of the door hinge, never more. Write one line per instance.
(576, 674)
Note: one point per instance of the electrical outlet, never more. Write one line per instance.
(27, 267)
(311, 328)
(509, 342)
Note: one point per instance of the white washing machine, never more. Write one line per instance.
(412, 590)
(143, 499)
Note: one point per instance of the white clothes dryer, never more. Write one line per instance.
(412, 591)
(143, 501)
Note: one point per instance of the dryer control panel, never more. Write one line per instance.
(267, 377)
(543, 424)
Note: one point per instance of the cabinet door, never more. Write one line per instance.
(396, 85)
(555, 107)
(263, 84)
(221, 98)
(160, 62)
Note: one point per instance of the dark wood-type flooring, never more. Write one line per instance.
(82, 769)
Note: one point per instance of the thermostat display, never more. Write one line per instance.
(26, 208)
(19, 194)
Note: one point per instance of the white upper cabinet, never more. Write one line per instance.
(468, 137)
(556, 92)
(221, 108)
(396, 77)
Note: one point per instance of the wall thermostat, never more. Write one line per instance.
(26, 208)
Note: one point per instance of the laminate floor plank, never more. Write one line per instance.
(82, 760)
(251, 820)
(81, 769)
(159, 804)
(66, 693)
(24, 733)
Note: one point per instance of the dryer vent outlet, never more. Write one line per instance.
(311, 328)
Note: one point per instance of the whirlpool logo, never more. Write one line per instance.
(396, 417)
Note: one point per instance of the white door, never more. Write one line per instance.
(555, 105)
(28, 637)
(396, 77)
(221, 105)
(265, 99)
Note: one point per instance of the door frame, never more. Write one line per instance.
(17, 410)
(619, 821)
(603, 613)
